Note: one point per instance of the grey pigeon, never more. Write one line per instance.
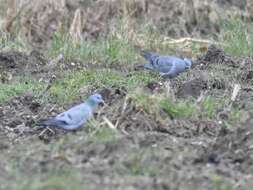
(76, 116)
(167, 66)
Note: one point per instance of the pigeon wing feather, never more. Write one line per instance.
(163, 64)
(75, 115)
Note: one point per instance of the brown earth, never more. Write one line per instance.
(146, 152)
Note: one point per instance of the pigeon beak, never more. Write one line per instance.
(102, 103)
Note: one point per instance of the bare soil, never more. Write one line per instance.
(145, 153)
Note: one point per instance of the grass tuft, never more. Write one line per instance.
(9, 43)
(69, 88)
(19, 87)
(109, 50)
(236, 37)
(55, 180)
(181, 109)
(104, 135)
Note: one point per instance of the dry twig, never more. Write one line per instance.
(237, 88)
(109, 123)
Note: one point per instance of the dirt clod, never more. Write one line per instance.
(213, 55)
(192, 88)
(21, 63)
(204, 142)
(246, 76)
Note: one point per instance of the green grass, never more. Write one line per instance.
(109, 50)
(104, 135)
(207, 108)
(68, 89)
(115, 49)
(138, 167)
(221, 183)
(9, 43)
(144, 101)
(236, 37)
(141, 163)
(19, 87)
(237, 116)
(68, 180)
(118, 47)
(181, 109)
(187, 108)
(153, 104)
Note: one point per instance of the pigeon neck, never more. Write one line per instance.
(188, 63)
(91, 103)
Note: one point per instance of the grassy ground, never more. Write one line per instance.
(165, 139)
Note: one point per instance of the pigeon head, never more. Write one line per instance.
(95, 100)
(188, 63)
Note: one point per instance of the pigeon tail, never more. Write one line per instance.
(148, 66)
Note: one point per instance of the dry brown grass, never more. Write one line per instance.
(76, 27)
(39, 20)
(36, 20)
